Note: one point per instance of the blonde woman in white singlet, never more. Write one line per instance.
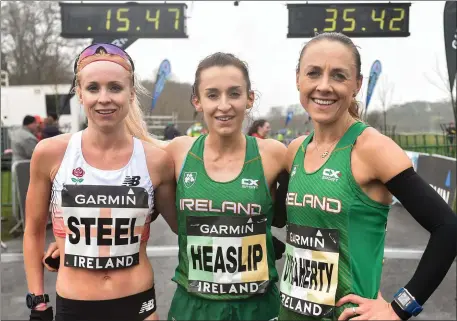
(101, 185)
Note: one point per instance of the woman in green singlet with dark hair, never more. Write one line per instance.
(225, 181)
(342, 178)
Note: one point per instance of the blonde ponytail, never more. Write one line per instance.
(134, 122)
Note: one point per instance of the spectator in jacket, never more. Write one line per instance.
(24, 140)
(51, 127)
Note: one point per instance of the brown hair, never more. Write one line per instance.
(256, 125)
(220, 59)
(345, 40)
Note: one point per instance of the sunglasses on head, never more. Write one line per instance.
(100, 48)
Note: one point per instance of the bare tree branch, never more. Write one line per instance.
(385, 91)
(443, 83)
(32, 47)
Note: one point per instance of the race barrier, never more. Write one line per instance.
(437, 170)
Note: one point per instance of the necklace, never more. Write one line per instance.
(327, 152)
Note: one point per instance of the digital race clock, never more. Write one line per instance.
(141, 20)
(351, 19)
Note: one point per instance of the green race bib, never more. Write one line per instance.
(227, 254)
(310, 275)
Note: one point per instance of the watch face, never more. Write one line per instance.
(29, 301)
(404, 299)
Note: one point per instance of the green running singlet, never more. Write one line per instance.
(335, 236)
(225, 243)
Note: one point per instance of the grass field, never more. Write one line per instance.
(7, 220)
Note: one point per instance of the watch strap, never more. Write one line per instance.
(43, 298)
(38, 299)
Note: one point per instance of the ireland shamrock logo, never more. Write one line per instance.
(189, 178)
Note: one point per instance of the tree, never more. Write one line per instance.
(32, 50)
(373, 118)
(441, 82)
(385, 91)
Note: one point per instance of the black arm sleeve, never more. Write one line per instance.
(280, 217)
(430, 210)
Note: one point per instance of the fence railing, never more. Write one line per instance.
(427, 143)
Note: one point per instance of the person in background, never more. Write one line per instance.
(51, 126)
(260, 129)
(24, 140)
(171, 132)
(196, 130)
(451, 135)
(280, 137)
(39, 130)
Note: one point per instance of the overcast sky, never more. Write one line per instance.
(256, 32)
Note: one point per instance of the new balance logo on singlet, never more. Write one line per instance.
(147, 306)
(131, 181)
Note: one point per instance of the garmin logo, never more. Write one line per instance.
(104, 196)
(105, 199)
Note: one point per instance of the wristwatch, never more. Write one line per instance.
(407, 302)
(33, 300)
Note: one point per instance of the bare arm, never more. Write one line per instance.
(178, 149)
(292, 151)
(382, 157)
(386, 162)
(36, 212)
(273, 159)
(162, 172)
(166, 197)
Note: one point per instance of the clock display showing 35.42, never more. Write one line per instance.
(142, 20)
(352, 19)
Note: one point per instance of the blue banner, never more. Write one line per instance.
(289, 116)
(374, 75)
(162, 75)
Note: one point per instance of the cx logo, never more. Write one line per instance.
(331, 175)
(249, 183)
